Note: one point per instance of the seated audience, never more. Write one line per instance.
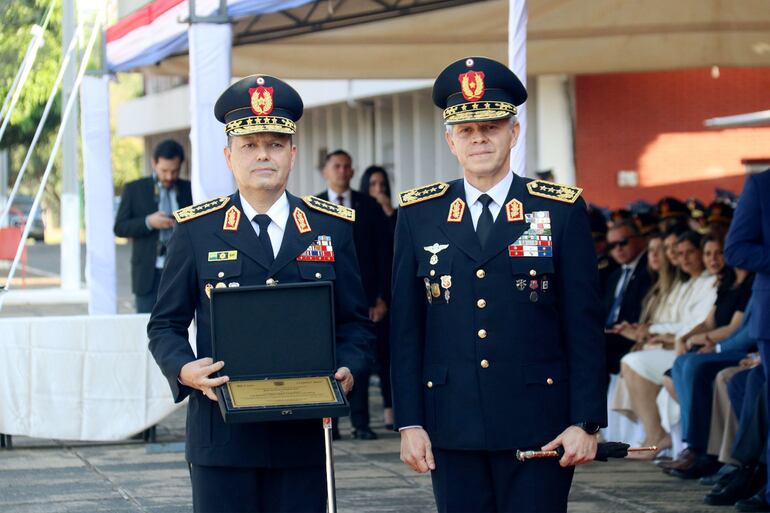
(643, 370)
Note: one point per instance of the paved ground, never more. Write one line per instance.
(48, 476)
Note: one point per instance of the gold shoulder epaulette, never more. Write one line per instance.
(554, 191)
(420, 194)
(201, 209)
(327, 207)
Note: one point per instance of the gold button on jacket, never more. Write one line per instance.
(482, 333)
(484, 364)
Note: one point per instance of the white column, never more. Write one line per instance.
(70, 185)
(554, 128)
(98, 192)
(517, 61)
(209, 76)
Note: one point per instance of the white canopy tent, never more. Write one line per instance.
(563, 36)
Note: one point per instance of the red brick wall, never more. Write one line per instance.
(653, 123)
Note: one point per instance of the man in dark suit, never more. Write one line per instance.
(497, 338)
(748, 247)
(375, 259)
(626, 287)
(258, 235)
(145, 216)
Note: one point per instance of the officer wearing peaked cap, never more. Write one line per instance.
(497, 339)
(260, 234)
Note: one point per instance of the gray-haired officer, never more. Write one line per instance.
(260, 234)
(497, 339)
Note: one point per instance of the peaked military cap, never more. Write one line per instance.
(720, 213)
(620, 215)
(597, 221)
(647, 222)
(477, 89)
(259, 103)
(671, 207)
(696, 208)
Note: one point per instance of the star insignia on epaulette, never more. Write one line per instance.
(201, 209)
(327, 207)
(424, 193)
(554, 191)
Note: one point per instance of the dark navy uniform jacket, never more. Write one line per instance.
(209, 440)
(748, 247)
(516, 353)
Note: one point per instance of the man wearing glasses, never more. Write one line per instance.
(626, 287)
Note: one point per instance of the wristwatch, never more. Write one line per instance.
(589, 427)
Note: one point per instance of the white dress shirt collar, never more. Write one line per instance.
(347, 197)
(498, 192)
(278, 212)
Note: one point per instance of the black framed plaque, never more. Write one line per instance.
(278, 345)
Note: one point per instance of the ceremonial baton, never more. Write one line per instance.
(331, 494)
(604, 451)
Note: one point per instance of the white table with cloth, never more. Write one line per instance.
(79, 378)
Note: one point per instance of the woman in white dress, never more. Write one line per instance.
(643, 370)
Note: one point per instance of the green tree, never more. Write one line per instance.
(18, 17)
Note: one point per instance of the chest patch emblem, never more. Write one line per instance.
(456, 211)
(222, 256)
(320, 250)
(514, 211)
(232, 219)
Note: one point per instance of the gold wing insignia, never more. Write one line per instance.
(554, 191)
(424, 193)
(201, 209)
(327, 207)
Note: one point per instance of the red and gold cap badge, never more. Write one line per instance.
(261, 100)
(472, 85)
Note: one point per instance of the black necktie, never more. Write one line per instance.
(263, 221)
(484, 225)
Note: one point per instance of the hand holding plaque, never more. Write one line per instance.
(195, 374)
(345, 377)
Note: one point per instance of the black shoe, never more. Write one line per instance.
(705, 465)
(756, 503)
(364, 434)
(720, 478)
(738, 488)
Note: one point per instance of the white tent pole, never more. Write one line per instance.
(517, 61)
(41, 123)
(96, 30)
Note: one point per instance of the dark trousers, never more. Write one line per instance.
(495, 482)
(382, 363)
(616, 348)
(145, 302)
(706, 366)
(241, 490)
(748, 388)
(764, 348)
(359, 400)
(702, 374)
